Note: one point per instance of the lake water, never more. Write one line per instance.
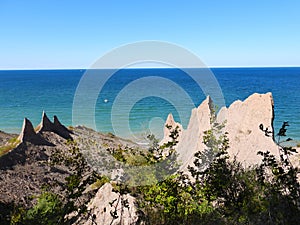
(130, 101)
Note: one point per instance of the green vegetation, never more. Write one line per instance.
(51, 208)
(221, 191)
(11, 144)
(71, 128)
(111, 135)
(99, 183)
(47, 211)
(217, 189)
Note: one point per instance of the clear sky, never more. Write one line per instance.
(73, 34)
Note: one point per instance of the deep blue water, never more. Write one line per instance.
(27, 93)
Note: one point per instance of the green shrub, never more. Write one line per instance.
(100, 182)
(222, 191)
(47, 211)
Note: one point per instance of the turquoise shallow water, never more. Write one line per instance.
(27, 93)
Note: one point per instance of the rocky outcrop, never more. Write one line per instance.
(25, 169)
(28, 134)
(109, 207)
(192, 138)
(45, 125)
(60, 129)
(27, 131)
(242, 121)
(169, 125)
(55, 127)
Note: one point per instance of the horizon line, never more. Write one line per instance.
(209, 67)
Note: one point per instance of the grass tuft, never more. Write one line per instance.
(11, 144)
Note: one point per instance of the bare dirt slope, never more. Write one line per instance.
(26, 169)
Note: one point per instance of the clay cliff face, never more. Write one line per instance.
(242, 124)
(28, 134)
(172, 124)
(108, 201)
(55, 127)
(242, 120)
(35, 137)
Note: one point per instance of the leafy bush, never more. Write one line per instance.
(48, 210)
(217, 189)
(221, 191)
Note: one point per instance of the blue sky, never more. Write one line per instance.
(73, 34)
